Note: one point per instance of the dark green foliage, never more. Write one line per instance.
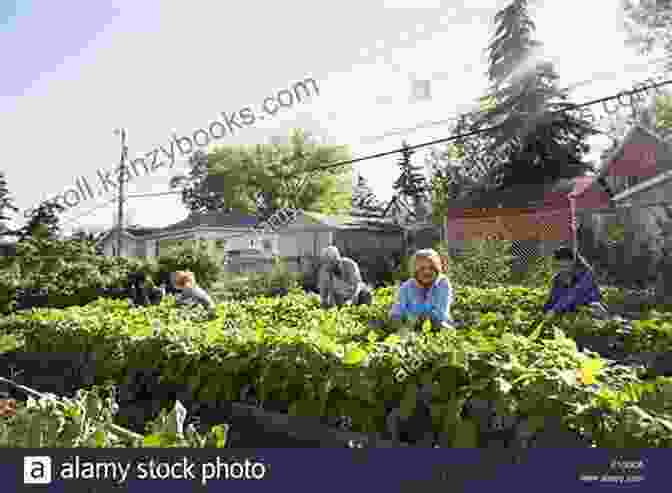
(412, 182)
(193, 257)
(540, 143)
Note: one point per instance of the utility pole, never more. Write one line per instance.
(122, 172)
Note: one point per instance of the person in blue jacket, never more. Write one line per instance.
(427, 296)
(574, 285)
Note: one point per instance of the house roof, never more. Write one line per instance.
(519, 196)
(639, 135)
(588, 192)
(663, 153)
(349, 222)
(133, 232)
(212, 220)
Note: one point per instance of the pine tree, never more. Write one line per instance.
(412, 182)
(43, 222)
(6, 206)
(541, 144)
(363, 197)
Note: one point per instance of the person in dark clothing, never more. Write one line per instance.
(574, 285)
(141, 294)
(136, 288)
(167, 283)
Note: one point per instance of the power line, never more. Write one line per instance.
(457, 137)
(436, 123)
(338, 164)
(89, 212)
(570, 107)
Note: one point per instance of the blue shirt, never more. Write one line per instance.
(566, 299)
(433, 303)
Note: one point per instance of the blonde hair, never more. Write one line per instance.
(184, 279)
(431, 255)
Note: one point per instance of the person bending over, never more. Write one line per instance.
(340, 281)
(427, 296)
(573, 286)
(191, 294)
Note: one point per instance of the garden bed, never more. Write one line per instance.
(327, 364)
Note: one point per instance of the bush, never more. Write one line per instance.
(61, 273)
(279, 282)
(197, 258)
(377, 269)
(489, 264)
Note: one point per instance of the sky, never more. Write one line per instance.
(79, 69)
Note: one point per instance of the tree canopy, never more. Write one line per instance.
(6, 206)
(537, 142)
(263, 178)
(44, 221)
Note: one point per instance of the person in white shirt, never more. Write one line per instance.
(340, 281)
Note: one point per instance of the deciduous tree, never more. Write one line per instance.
(261, 179)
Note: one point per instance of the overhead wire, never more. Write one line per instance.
(339, 164)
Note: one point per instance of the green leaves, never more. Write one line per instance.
(466, 435)
(354, 356)
(409, 401)
(322, 362)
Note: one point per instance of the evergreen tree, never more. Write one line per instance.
(412, 182)
(364, 198)
(43, 222)
(6, 206)
(540, 143)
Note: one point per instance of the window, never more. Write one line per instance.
(267, 245)
(253, 243)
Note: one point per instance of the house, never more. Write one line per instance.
(638, 197)
(245, 249)
(221, 231)
(531, 215)
(367, 239)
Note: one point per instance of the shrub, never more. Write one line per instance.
(66, 272)
(196, 258)
(280, 281)
(488, 263)
(480, 263)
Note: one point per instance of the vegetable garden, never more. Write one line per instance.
(503, 378)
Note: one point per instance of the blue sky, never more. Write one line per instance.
(79, 69)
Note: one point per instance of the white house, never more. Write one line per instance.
(233, 235)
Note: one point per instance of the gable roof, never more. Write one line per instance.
(663, 154)
(212, 220)
(640, 135)
(132, 232)
(555, 194)
(350, 222)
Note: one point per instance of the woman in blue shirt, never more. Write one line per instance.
(428, 296)
(573, 286)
